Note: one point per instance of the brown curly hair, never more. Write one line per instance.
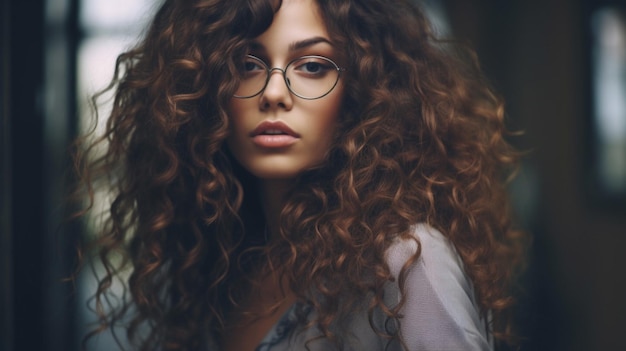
(421, 140)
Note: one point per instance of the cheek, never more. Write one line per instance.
(328, 120)
(325, 128)
(238, 112)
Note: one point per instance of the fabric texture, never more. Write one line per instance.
(440, 312)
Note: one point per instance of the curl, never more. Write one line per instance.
(421, 139)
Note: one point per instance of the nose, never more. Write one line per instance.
(276, 93)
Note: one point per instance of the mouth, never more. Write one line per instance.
(273, 132)
(273, 128)
(273, 135)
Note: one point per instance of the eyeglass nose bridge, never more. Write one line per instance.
(283, 71)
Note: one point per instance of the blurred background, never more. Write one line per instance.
(560, 65)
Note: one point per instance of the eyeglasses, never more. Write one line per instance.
(307, 77)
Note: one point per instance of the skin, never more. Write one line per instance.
(314, 122)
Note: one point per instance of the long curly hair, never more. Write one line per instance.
(421, 139)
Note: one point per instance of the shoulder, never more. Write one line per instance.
(437, 250)
(440, 311)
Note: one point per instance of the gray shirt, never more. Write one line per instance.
(440, 312)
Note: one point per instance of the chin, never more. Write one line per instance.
(277, 167)
(274, 174)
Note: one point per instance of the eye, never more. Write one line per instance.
(251, 66)
(313, 67)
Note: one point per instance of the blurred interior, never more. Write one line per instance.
(560, 65)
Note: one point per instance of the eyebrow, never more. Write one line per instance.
(298, 45)
(295, 46)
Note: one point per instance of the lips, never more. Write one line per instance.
(273, 135)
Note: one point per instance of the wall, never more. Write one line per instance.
(537, 55)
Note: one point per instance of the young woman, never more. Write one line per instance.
(304, 175)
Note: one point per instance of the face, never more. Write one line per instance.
(277, 135)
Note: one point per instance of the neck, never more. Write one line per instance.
(272, 196)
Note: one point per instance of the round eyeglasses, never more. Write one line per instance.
(307, 77)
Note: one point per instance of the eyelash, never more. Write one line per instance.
(320, 63)
(267, 61)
